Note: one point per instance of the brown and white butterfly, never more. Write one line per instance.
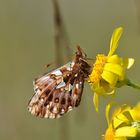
(61, 90)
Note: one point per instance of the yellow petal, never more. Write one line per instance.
(109, 134)
(115, 39)
(121, 138)
(114, 68)
(121, 110)
(107, 111)
(116, 112)
(128, 63)
(110, 77)
(125, 108)
(135, 114)
(111, 92)
(126, 131)
(117, 122)
(114, 59)
(97, 88)
(128, 115)
(95, 101)
(122, 117)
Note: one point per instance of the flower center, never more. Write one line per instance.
(98, 68)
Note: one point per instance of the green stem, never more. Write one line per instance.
(131, 84)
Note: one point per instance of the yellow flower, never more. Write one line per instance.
(108, 71)
(125, 123)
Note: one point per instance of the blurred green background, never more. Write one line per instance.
(27, 44)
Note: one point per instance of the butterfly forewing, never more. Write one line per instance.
(59, 91)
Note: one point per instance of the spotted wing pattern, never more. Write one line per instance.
(56, 93)
(59, 91)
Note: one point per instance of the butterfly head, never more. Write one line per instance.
(81, 59)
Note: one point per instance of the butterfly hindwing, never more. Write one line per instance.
(56, 93)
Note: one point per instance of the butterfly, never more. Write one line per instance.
(60, 90)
